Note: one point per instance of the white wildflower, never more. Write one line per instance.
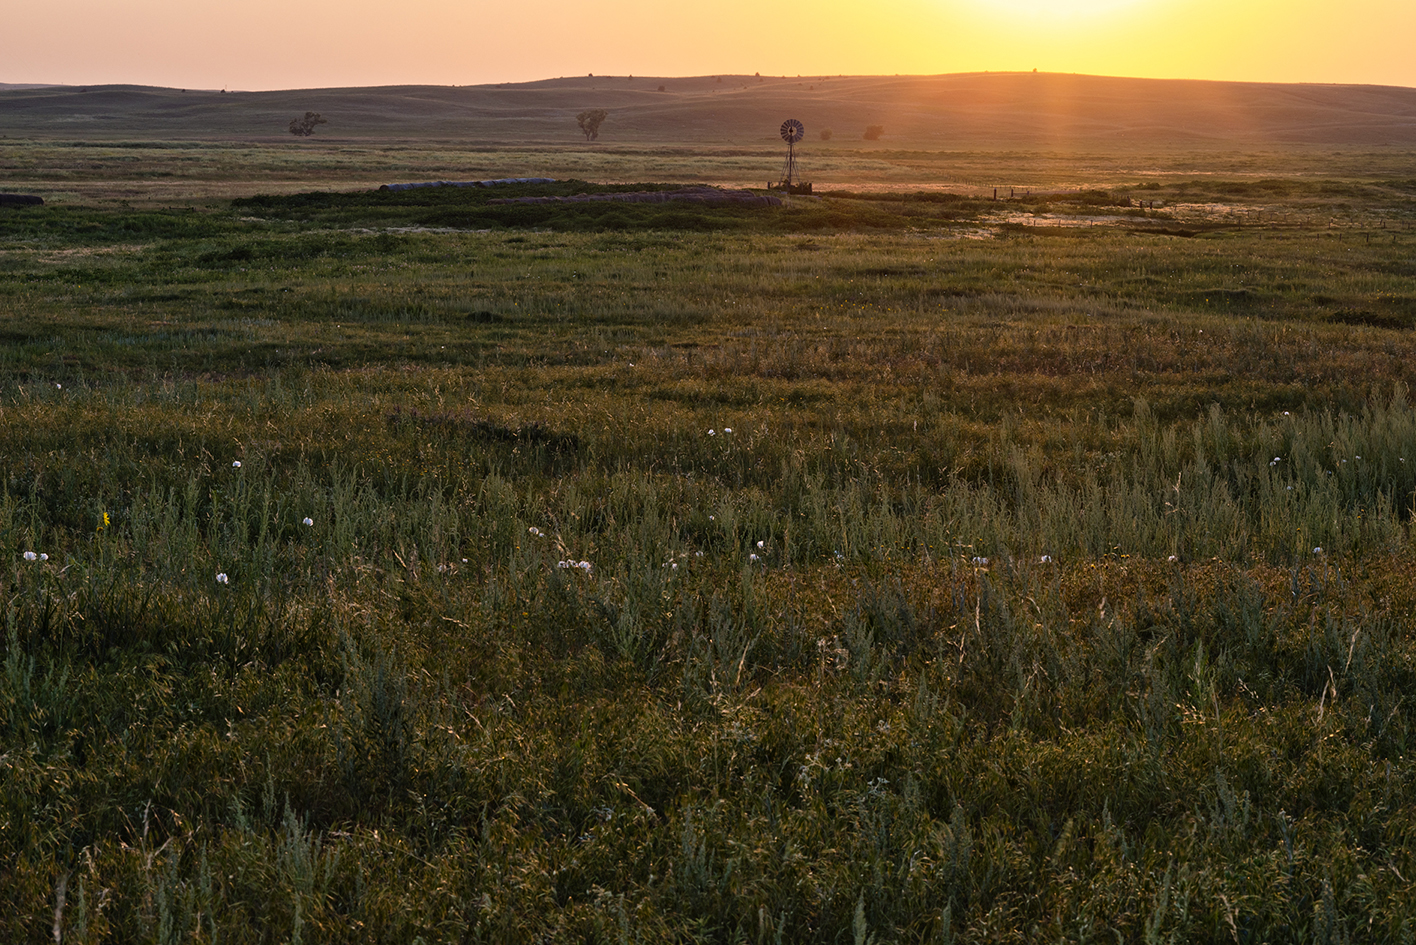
(309, 521)
(31, 556)
(1172, 559)
(980, 560)
(221, 578)
(753, 559)
(727, 429)
(712, 432)
(43, 556)
(762, 544)
(1318, 550)
(236, 464)
(1046, 559)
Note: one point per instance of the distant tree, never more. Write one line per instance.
(304, 127)
(873, 132)
(826, 134)
(590, 122)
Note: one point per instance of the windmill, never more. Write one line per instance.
(792, 132)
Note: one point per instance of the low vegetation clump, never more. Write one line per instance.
(371, 577)
(304, 127)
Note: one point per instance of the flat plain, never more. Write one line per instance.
(897, 564)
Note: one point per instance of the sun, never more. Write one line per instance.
(1058, 10)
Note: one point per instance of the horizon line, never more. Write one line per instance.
(816, 76)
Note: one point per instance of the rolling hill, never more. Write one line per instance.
(991, 111)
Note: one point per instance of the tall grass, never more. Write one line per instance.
(1008, 608)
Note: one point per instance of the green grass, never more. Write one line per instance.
(999, 614)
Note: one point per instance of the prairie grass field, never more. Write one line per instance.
(888, 566)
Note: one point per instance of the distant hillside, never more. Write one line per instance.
(972, 111)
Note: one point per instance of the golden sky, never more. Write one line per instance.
(271, 44)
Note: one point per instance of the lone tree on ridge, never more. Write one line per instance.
(304, 127)
(590, 122)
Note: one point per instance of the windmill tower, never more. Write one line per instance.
(792, 132)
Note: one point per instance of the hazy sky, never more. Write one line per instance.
(271, 44)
